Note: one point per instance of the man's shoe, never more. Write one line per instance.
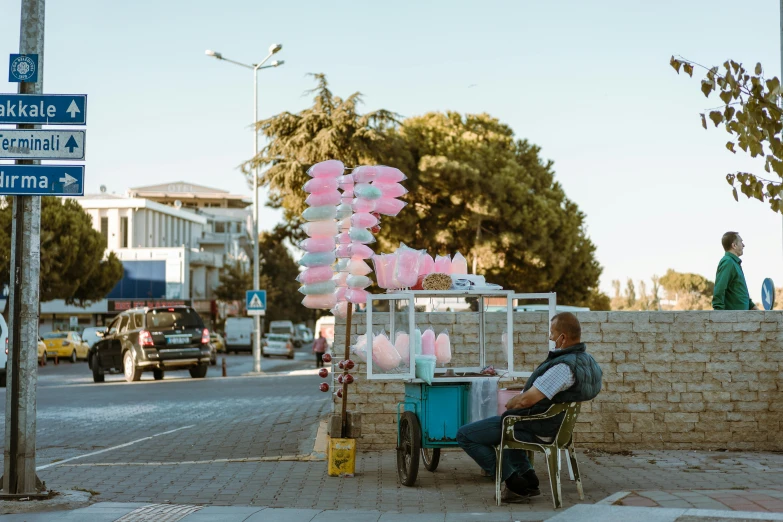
(486, 473)
(509, 497)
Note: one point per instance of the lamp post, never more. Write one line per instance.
(273, 49)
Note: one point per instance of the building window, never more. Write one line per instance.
(220, 227)
(105, 229)
(124, 232)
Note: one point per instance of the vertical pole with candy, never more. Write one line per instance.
(367, 193)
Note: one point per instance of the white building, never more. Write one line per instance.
(172, 249)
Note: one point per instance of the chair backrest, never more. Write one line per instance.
(566, 430)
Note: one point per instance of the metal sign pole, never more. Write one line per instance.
(19, 478)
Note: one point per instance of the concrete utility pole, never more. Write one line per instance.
(19, 478)
(257, 321)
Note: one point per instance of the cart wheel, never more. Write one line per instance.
(431, 457)
(409, 448)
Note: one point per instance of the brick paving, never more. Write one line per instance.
(686, 479)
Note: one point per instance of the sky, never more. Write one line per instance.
(589, 82)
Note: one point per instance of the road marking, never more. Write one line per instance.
(53, 464)
(312, 457)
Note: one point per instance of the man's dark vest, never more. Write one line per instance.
(587, 384)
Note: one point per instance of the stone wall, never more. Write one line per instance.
(674, 380)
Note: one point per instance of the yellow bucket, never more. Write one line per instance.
(341, 457)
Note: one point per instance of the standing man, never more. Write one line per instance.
(731, 291)
(319, 348)
(569, 374)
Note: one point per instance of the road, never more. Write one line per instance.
(87, 433)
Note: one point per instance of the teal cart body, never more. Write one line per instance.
(433, 414)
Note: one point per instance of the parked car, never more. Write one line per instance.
(3, 356)
(42, 355)
(66, 345)
(285, 328)
(278, 344)
(239, 334)
(93, 334)
(156, 339)
(304, 333)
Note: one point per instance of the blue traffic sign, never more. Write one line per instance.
(46, 109)
(42, 180)
(23, 68)
(768, 294)
(255, 302)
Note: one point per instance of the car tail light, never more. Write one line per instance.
(289, 346)
(145, 338)
(205, 336)
(6, 345)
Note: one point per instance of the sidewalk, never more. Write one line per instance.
(662, 480)
(111, 512)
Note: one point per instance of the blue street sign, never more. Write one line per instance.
(255, 302)
(767, 294)
(42, 180)
(23, 68)
(42, 144)
(47, 109)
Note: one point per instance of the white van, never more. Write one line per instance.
(324, 327)
(239, 334)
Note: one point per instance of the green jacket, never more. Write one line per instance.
(731, 291)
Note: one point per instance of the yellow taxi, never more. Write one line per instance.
(41, 352)
(66, 345)
(217, 341)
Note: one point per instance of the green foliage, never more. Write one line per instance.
(474, 188)
(234, 282)
(331, 128)
(278, 277)
(751, 115)
(73, 266)
(690, 291)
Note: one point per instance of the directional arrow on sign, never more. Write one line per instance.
(67, 180)
(73, 109)
(71, 144)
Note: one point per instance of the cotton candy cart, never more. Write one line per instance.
(431, 413)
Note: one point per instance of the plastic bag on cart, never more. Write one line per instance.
(415, 342)
(384, 354)
(402, 344)
(443, 348)
(359, 349)
(428, 342)
(425, 367)
(483, 399)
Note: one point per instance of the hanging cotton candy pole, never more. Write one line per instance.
(321, 229)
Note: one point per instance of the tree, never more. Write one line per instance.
(278, 277)
(73, 266)
(689, 291)
(234, 282)
(331, 128)
(750, 113)
(474, 188)
(630, 294)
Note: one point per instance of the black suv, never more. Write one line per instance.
(152, 339)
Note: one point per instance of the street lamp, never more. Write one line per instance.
(273, 49)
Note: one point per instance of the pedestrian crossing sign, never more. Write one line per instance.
(255, 302)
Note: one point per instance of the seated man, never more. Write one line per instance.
(569, 374)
